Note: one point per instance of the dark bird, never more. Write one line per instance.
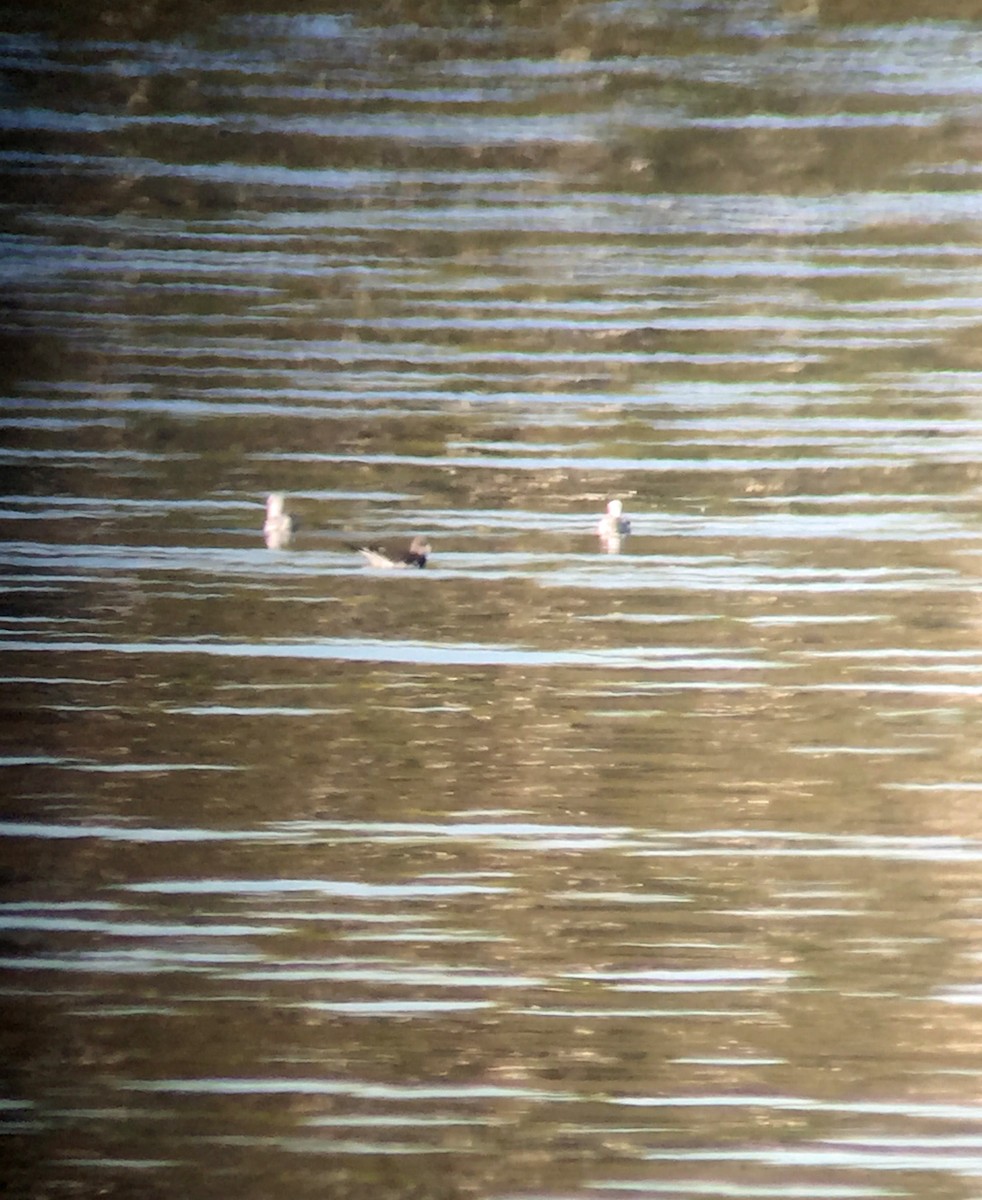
(415, 556)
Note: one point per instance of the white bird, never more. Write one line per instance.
(415, 556)
(278, 529)
(612, 526)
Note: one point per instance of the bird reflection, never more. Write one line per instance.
(612, 526)
(415, 556)
(278, 528)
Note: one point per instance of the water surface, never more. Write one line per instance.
(544, 871)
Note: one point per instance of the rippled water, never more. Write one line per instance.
(546, 870)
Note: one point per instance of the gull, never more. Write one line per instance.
(612, 527)
(278, 528)
(415, 556)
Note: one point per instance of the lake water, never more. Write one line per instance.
(558, 868)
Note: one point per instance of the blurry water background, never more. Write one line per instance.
(544, 871)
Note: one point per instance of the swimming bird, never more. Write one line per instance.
(612, 526)
(278, 529)
(415, 556)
